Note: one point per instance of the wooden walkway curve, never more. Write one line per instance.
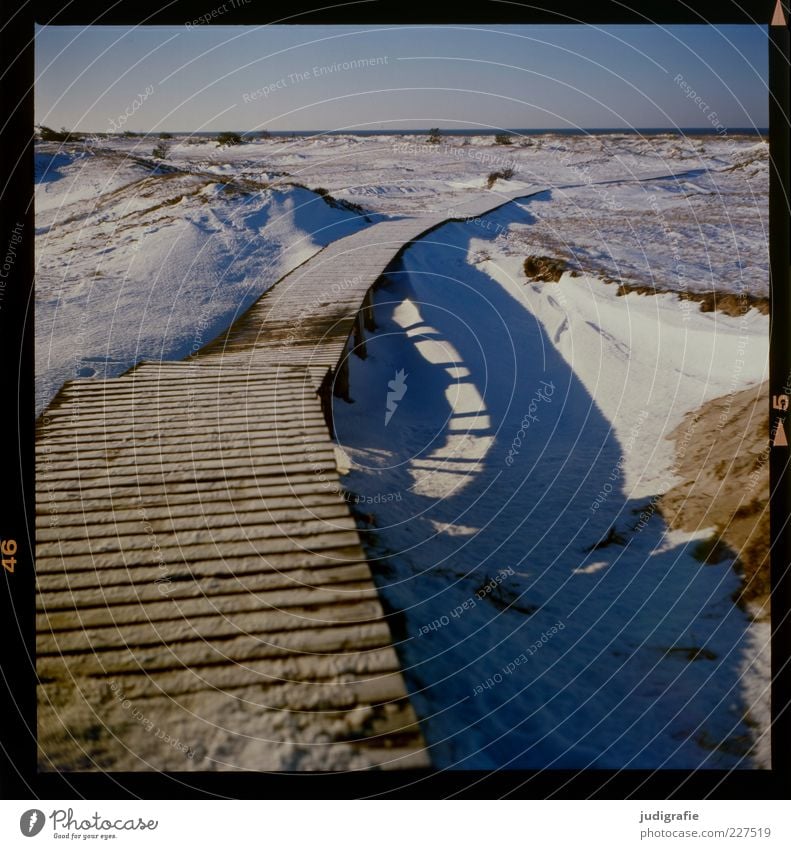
(204, 601)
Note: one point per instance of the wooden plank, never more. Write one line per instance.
(195, 490)
(277, 456)
(54, 450)
(101, 512)
(124, 436)
(112, 524)
(122, 585)
(158, 654)
(158, 610)
(208, 626)
(265, 679)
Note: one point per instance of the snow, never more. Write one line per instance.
(138, 264)
(528, 420)
(535, 419)
(646, 361)
(695, 235)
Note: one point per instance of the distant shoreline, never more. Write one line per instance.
(756, 132)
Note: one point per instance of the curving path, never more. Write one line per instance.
(203, 597)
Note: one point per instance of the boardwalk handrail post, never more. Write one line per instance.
(340, 383)
(359, 335)
(325, 398)
(368, 311)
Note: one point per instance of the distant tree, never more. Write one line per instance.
(128, 134)
(434, 136)
(503, 138)
(160, 151)
(265, 134)
(165, 135)
(228, 139)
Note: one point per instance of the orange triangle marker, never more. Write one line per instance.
(780, 435)
(779, 16)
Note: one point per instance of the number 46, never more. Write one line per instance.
(8, 550)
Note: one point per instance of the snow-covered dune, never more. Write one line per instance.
(135, 263)
(525, 454)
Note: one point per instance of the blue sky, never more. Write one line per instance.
(248, 78)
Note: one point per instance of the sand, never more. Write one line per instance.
(722, 453)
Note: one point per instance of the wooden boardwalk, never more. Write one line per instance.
(204, 601)
(200, 581)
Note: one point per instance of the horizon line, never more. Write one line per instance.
(450, 130)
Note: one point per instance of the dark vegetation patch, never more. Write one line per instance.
(712, 550)
(336, 203)
(494, 176)
(727, 302)
(62, 135)
(612, 538)
(506, 599)
(691, 652)
(229, 139)
(549, 270)
(546, 269)
(738, 745)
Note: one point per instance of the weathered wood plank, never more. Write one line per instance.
(253, 573)
(307, 599)
(111, 525)
(158, 653)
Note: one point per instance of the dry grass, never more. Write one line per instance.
(546, 269)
